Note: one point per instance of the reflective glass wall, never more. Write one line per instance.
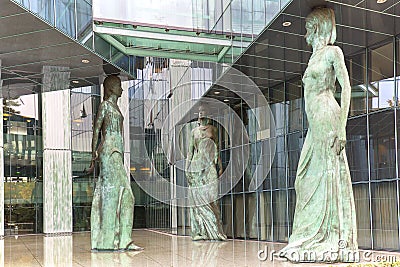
(372, 150)
(23, 157)
(84, 105)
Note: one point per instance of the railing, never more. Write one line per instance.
(73, 17)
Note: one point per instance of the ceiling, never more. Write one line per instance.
(27, 43)
(280, 54)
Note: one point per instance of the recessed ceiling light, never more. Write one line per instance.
(381, 1)
(226, 100)
(75, 81)
(217, 92)
(85, 61)
(286, 24)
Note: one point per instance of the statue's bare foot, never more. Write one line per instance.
(132, 246)
(198, 238)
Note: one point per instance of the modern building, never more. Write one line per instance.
(54, 56)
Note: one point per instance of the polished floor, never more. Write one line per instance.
(160, 249)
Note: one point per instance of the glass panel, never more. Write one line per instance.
(361, 200)
(295, 143)
(292, 206)
(381, 82)
(23, 197)
(280, 227)
(226, 215)
(295, 104)
(398, 142)
(239, 213)
(251, 216)
(382, 146)
(84, 18)
(84, 103)
(357, 70)
(65, 16)
(43, 8)
(357, 148)
(384, 215)
(266, 216)
(278, 169)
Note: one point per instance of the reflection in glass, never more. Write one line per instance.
(384, 215)
(382, 146)
(357, 148)
(23, 198)
(361, 201)
(381, 82)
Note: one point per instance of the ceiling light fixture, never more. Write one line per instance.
(86, 61)
(380, 1)
(226, 100)
(75, 81)
(217, 92)
(286, 24)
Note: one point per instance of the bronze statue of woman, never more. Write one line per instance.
(201, 172)
(113, 200)
(324, 224)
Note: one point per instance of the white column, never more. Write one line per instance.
(2, 252)
(1, 164)
(57, 160)
(181, 89)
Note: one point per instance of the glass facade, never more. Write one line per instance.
(372, 150)
(23, 157)
(84, 104)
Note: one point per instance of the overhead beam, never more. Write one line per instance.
(157, 53)
(167, 37)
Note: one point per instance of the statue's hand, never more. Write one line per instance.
(92, 163)
(220, 172)
(91, 168)
(338, 144)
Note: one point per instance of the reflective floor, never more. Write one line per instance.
(159, 250)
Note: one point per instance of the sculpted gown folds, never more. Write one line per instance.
(324, 219)
(113, 200)
(202, 178)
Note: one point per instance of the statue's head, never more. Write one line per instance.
(202, 111)
(112, 86)
(321, 26)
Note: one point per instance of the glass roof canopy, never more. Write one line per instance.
(207, 30)
(148, 41)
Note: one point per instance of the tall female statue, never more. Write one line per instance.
(113, 200)
(324, 219)
(202, 177)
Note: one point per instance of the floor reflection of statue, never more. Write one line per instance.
(113, 200)
(202, 176)
(324, 224)
(205, 254)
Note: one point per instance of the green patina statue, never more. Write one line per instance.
(202, 177)
(324, 227)
(113, 200)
